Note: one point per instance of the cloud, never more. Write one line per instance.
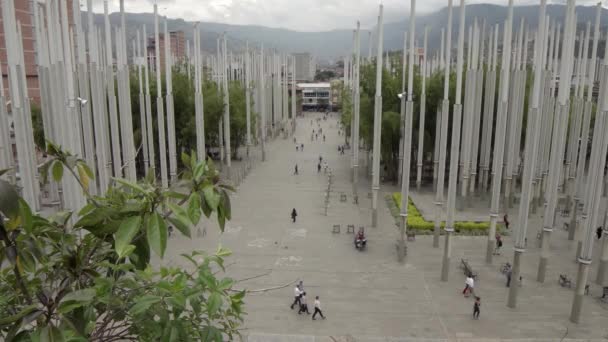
(301, 15)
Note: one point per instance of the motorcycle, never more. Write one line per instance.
(360, 244)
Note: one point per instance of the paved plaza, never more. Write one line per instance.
(369, 295)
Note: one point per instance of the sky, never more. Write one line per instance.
(299, 15)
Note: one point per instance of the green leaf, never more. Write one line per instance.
(225, 205)
(211, 197)
(143, 303)
(194, 208)
(221, 219)
(211, 334)
(130, 185)
(225, 284)
(199, 170)
(126, 232)
(157, 234)
(214, 303)
(181, 215)
(3, 171)
(9, 200)
(57, 170)
(181, 226)
(186, 159)
(4, 321)
(51, 334)
(86, 169)
(26, 216)
(84, 177)
(84, 295)
(177, 301)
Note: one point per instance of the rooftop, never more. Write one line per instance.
(313, 85)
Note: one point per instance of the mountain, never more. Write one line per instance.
(330, 45)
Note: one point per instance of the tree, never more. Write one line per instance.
(85, 275)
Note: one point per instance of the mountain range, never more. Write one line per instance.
(330, 45)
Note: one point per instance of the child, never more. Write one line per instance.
(476, 306)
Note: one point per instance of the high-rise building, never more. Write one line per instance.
(178, 48)
(305, 67)
(24, 15)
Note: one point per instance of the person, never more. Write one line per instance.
(303, 304)
(505, 219)
(360, 240)
(294, 140)
(302, 147)
(296, 172)
(319, 168)
(320, 159)
(598, 232)
(297, 148)
(323, 137)
(469, 285)
(317, 308)
(498, 244)
(476, 307)
(509, 274)
(297, 296)
(293, 215)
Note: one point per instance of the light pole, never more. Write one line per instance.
(377, 125)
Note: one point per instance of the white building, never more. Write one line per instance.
(315, 96)
(305, 67)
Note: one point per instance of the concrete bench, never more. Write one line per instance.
(350, 229)
(336, 228)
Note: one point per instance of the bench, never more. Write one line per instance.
(350, 229)
(411, 235)
(342, 197)
(467, 269)
(564, 281)
(336, 228)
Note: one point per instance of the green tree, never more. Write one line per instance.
(85, 275)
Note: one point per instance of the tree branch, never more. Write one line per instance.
(268, 288)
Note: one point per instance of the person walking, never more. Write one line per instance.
(296, 170)
(302, 147)
(297, 293)
(323, 137)
(293, 215)
(509, 273)
(317, 308)
(598, 232)
(303, 304)
(505, 219)
(469, 285)
(498, 244)
(319, 168)
(476, 307)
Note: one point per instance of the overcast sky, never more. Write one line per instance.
(300, 15)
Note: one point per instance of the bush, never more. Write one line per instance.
(415, 220)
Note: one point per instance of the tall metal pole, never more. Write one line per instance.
(198, 96)
(407, 138)
(263, 110)
(170, 107)
(356, 113)
(438, 132)
(247, 97)
(402, 102)
(148, 99)
(377, 124)
(142, 103)
(445, 113)
(501, 124)
(532, 137)
(422, 115)
(456, 122)
(162, 144)
(226, 111)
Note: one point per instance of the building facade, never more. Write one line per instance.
(305, 67)
(316, 96)
(24, 15)
(178, 48)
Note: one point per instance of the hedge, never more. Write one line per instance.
(416, 221)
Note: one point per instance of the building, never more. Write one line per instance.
(305, 67)
(315, 96)
(24, 13)
(178, 48)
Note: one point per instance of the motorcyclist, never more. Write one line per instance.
(360, 239)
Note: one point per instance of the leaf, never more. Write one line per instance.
(199, 170)
(9, 200)
(57, 170)
(214, 303)
(84, 177)
(51, 334)
(26, 216)
(211, 197)
(3, 171)
(194, 208)
(84, 295)
(130, 185)
(221, 219)
(86, 169)
(225, 204)
(126, 232)
(223, 252)
(211, 334)
(157, 234)
(183, 228)
(143, 303)
(185, 159)
(14, 318)
(179, 214)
